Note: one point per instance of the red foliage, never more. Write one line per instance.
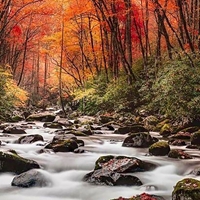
(145, 196)
(16, 31)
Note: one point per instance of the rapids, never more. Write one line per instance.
(66, 170)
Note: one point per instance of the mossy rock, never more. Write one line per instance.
(42, 117)
(160, 148)
(55, 125)
(28, 139)
(187, 189)
(10, 162)
(161, 124)
(65, 146)
(141, 140)
(195, 138)
(165, 130)
(101, 160)
(178, 153)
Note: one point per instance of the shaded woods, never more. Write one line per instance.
(113, 54)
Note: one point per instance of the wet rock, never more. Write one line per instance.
(65, 146)
(196, 171)
(100, 177)
(133, 129)
(192, 146)
(187, 189)
(181, 136)
(79, 151)
(139, 140)
(109, 170)
(177, 142)
(28, 139)
(42, 117)
(160, 148)
(105, 119)
(143, 196)
(14, 130)
(195, 138)
(178, 153)
(55, 125)
(31, 178)
(10, 162)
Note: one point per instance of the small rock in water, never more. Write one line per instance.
(31, 178)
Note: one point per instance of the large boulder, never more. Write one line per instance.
(187, 189)
(31, 178)
(42, 117)
(11, 162)
(131, 129)
(28, 139)
(139, 140)
(110, 170)
(195, 138)
(160, 148)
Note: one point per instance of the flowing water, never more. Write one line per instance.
(66, 170)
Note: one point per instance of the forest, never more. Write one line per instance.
(102, 55)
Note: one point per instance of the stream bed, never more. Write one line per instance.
(66, 170)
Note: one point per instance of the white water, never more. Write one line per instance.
(66, 170)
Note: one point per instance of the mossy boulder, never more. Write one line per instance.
(11, 162)
(42, 117)
(165, 130)
(131, 129)
(187, 189)
(28, 139)
(195, 138)
(31, 178)
(178, 153)
(160, 148)
(112, 170)
(55, 125)
(63, 145)
(139, 140)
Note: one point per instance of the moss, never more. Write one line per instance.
(187, 189)
(160, 148)
(165, 130)
(101, 160)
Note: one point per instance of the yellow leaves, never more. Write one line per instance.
(79, 94)
(19, 95)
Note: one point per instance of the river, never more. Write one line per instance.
(66, 170)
